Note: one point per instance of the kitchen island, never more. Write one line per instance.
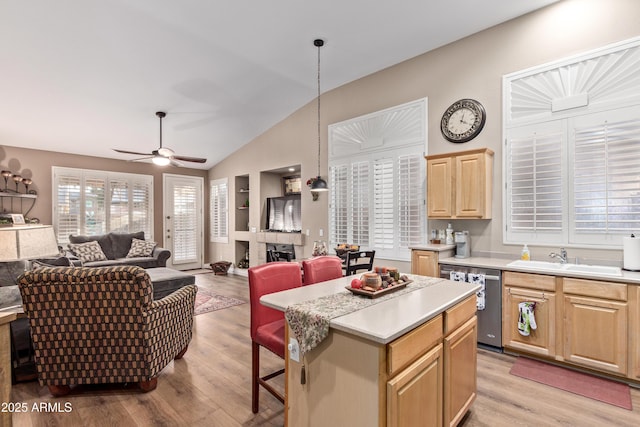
(407, 360)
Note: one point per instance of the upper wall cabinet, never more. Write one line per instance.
(459, 185)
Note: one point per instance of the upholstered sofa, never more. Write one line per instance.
(101, 325)
(116, 249)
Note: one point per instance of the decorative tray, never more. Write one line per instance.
(380, 292)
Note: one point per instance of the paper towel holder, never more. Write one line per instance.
(629, 264)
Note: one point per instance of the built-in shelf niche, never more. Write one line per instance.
(242, 203)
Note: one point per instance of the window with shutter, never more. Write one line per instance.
(338, 208)
(383, 204)
(359, 217)
(185, 223)
(410, 200)
(91, 202)
(219, 211)
(377, 180)
(573, 149)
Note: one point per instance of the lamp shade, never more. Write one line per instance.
(27, 242)
(319, 185)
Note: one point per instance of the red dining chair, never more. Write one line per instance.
(321, 268)
(268, 324)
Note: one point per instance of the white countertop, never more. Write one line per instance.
(435, 247)
(387, 320)
(630, 277)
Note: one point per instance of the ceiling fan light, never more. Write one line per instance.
(161, 161)
(166, 152)
(319, 185)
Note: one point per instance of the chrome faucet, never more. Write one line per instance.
(562, 256)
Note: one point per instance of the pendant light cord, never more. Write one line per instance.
(319, 44)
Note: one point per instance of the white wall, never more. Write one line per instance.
(469, 68)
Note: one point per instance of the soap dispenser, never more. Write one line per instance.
(449, 238)
(525, 256)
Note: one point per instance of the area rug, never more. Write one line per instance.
(611, 392)
(208, 301)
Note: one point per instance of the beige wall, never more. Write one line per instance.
(470, 68)
(37, 164)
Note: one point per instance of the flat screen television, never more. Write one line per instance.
(284, 214)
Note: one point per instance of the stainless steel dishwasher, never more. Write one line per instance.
(489, 318)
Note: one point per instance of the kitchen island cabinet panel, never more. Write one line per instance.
(460, 379)
(406, 349)
(406, 403)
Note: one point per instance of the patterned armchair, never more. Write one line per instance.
(101, 325)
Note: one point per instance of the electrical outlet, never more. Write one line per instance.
(294, 349)
(321, 232)
(308, 232)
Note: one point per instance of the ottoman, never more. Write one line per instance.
(166, 280)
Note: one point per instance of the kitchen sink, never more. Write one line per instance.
(538, 265)
(595, 269)
(574, 268)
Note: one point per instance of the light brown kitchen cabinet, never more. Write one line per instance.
(460, 185)
(407, 404)
(592, 324)
(440, 189)
(634, 332)
(595, 324)
(523, 287)
(460, 379)
(425, 263)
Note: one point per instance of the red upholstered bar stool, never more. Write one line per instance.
(267, 324)
(321, 268)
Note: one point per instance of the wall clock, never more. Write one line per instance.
(463, 120)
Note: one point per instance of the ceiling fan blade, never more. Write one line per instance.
(141, 158)
(189, 159)
(131, 152)
(176, 163)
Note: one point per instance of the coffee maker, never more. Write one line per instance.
(463, 244)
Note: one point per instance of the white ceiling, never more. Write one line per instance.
(87, 76)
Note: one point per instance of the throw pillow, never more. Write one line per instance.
(141, 248)
(50, 262)
(90, 251)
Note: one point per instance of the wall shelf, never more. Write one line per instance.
(30, 200)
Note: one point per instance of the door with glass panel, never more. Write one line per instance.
(183, 220)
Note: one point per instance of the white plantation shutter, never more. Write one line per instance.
(67, 206)
(141, 206)
(359, 217)
(93, 202)
(94, 220)
(535, 185)
(219, 211)
(338, 206)
(606, 188)
(118, 205)
(383, 205)
(410, 200)
(185, 223)
(377, 180)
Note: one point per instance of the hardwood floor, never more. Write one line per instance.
(210, 386)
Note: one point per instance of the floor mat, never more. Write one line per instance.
(611, 392)
(208, 301)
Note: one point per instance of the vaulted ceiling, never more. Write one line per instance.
(87, 76)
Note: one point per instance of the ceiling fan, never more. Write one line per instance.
(163, 156)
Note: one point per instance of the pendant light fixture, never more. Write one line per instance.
(319, 184)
